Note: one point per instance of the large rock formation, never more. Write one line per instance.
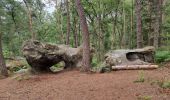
(41, 56)
(144, 56)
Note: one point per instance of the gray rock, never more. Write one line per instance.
(142, 56)
(41, 56)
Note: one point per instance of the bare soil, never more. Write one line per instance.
(74, 85)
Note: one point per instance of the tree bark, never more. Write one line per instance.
(123, 37)
(29, 12)
(61, 23)
(86, 38)
(68, 23)
(75, 33)
(131, 28)
(139, 24)
(3, 67)
(115, 23)
(150, 35)
(157, 23)
(161, 22)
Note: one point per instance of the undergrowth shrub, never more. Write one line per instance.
(162, 56)
(144, 98)
(94, 62)
(164, 84)
(141, 77)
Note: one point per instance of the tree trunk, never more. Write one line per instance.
(150, 35)
(75, 33)
(161, 22)
(68, 23)
(99, 37)
(61, 23)
(86, 38)
(157, 24)
(139, 24)
(29, 12)
(131, 29)
(123, 38)
(115, 23)
(3, 68)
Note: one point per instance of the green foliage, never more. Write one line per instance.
(94, 62)
(6, 53)
(57, 67)
(15, 69)
(106, 31)
(162, 56)
(141, 78)
(60, 64)
(145, 98)
(164, 84)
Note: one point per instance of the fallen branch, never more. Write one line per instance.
(134, 67)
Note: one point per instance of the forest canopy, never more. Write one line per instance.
(113, 24)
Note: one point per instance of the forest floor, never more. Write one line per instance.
(74, 85)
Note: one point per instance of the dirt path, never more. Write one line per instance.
(73, 85)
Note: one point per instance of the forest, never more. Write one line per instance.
(93, 26)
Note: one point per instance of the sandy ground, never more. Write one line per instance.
(74, 85)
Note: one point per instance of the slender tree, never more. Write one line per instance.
(75, 33)
(68, 22)
(29, 12)
(131, 25)
(86, 38)
(3, 68)
(160, 21)
(139, 24)
(150, 30)
(123, 38)
(115, 21)
(157, 22)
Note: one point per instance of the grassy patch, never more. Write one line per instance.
(141, 78)
(144, 98)
(164, 84)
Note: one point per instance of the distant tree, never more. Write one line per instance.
(30, 15)
(68, 22)
(75, 33)
(158, 22)
(3, 68)
(139, 24)
(86, 38)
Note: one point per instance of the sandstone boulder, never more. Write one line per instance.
(41, 56)
(144, 56)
